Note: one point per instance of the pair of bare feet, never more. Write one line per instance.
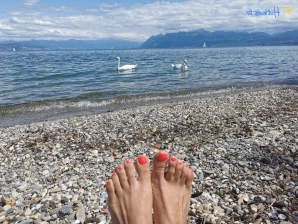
(168, 192)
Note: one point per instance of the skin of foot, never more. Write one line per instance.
(130, 199)
(171, 189)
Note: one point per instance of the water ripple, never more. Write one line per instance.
(39, 76)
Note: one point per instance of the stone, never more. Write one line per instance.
(242, 163)
(225, 167)
(45, 172)
(110, 159)
(80, 214)
(14, 194)
(254, 208)
(228, 211)
(65, 210)
(9, 211)
(27, 221)
(282, 216)
(6, 207)
(275, 134)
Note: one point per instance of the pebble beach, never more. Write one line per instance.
(242, 147)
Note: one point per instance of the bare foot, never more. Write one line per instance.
(130, 199)
(171, 190)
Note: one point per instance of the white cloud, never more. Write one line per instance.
(30, 2)
(15, 20)
(5, 27)
(143, 20)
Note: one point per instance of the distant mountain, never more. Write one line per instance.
(67, 45)
(197, 38)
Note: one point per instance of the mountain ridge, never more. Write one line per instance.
(182, 39)
(196, 38)
(70, 44)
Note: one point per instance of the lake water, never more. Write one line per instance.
(82, 79)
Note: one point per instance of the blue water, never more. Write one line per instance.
(92, 77)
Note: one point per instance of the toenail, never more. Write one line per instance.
(186, 165)
(162, 156)
(114, 174)
(127, 162)
(173, 158)
(180, 163)
(142, 160)
(108, 182)
(120, 168)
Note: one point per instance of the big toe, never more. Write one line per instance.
(159, 164)
(143, 168)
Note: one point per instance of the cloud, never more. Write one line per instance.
(30, 2)
(16, 20)
(140, 21)
(5, 27)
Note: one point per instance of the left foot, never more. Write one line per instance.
(130, 199)
(171, 190)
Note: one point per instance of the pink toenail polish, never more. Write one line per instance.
(108, 182)
(127, 162)
(173, 158)
(120, 168)
(142, 160)
(162, 156)
(114, 174)
(186, 165)
(180, 163)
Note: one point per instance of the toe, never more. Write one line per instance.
(189, 180)
(111, 190)
(129, 168)
(112, 198)
(159, 164)
(143, 168)
(116, 183)
(185, 173)
(178, 171)
(110, 187)
(122, 177)
(171, 168)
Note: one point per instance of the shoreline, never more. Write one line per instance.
(32, 112)
(243, 148)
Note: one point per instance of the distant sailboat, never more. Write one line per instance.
(13, 49)
(204, 45)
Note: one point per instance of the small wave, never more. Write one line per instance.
(65, 105)
(42, 106)
(41, 111)
(82, 103)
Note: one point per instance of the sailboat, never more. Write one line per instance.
(204, 45)
(13, 49)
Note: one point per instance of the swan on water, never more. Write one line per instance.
(182, 66)
(176, 66)
(125, 67)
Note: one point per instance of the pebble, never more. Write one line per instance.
(65, 210)
(110, 159)
(241, 146)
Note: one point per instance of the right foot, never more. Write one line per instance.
(130, 199)
(171, 190)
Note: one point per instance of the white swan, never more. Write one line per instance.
(182, 66)
(125, 67)
(176, 66)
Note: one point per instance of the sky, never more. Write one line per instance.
(137, 20)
